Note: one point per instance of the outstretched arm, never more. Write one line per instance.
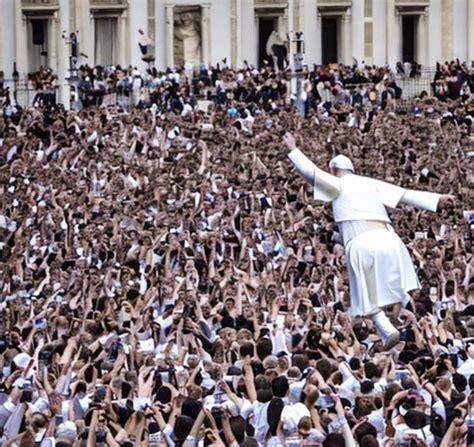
(427, 200)
(393, 195)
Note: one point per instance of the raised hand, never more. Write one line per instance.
(289, 140)
(446, 201)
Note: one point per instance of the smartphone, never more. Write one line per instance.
(100, 392)
(40, 323)
(400, 373)
(325, 401)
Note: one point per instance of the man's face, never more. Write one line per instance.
(206, 310)
(248, 312)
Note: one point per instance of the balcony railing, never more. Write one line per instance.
(108, 3)
(412, 2)
(118, 6)
(334, 3)
(270, 2)
(39, 4)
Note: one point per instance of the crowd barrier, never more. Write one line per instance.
(26, 95)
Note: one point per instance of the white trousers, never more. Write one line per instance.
(381, 272)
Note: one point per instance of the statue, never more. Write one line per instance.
(187, 38)
(277, 48)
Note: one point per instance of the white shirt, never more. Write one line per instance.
(467, 368)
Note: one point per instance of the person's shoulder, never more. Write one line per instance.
(354, 178)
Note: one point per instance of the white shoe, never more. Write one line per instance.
(388, 331)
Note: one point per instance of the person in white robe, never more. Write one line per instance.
(381, 272)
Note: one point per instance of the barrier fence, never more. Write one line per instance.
(26, 95)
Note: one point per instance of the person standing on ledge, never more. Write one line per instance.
(381, 272)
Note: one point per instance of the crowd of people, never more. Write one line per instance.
(357, 84)
(341, 84)
(452, 81)
(167, 279)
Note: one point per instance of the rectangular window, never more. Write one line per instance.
(368, 39)
(106, 39)
(37, 47)
(368, 8)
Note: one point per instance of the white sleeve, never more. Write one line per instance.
(421, 199)
(326, 186)
(279, 342)
(389, 194)
(168, 432)
(303, 164)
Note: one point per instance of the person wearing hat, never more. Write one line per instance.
(381, 272)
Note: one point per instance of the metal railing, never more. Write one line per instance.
(39, 3)
(98, 3)
(414, 86)
(25, 94)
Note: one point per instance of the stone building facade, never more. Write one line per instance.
(32, 32)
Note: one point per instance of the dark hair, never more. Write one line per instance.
(183, 426)
(238, 426)
(280, 386)
(459, 382)
(324, 367)
(264, 348)
(334, 440)
(300, 360)
(264, 395)
(371, 370)
(354, 363)
(366, 386)
(246, 349)
(361, 330)
(364, 429)
(249, 442)
(369, 441)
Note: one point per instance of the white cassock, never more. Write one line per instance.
(381, 272)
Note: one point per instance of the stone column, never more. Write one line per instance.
(346, 37)
(21, 32)
(390, 31)
(422, 49)
(290, 31)
(389, 35)
(470, 31)
(447, 29)
(398, 42)
(206, 34)
(84, 23)
(235, 33)
(64, 52)
(319, 42)
(169, 13)
(122, 37)
(238, 37)
(53, 44)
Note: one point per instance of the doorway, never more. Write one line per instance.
(106, 41)
(329, 40)
(409, 28)
(266, 25)
(37, 46)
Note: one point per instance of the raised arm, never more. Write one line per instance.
(326, 186)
